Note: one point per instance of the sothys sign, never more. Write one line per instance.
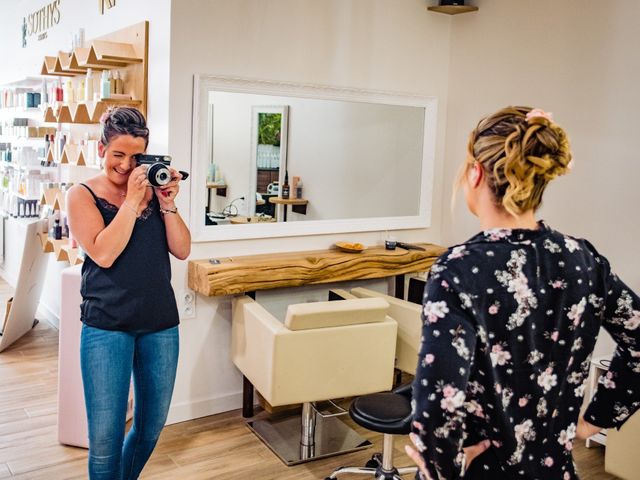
(106, 4)
(39, 22)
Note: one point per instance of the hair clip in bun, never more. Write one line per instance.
(539, 113)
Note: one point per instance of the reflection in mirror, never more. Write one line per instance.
(268, 160)
(353, 160)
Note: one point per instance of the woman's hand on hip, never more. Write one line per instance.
(470, 453)
(586, 429)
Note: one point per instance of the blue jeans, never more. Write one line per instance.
(107, 360)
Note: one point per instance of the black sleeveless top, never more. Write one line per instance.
(135, 293)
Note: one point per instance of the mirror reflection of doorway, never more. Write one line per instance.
(268, 161)
(270, 137)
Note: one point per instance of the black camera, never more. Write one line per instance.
(158, 172)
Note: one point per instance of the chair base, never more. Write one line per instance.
(379, 466)
(282, 436)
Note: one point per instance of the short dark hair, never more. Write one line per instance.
(118, 121)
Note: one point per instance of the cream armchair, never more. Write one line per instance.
(407, 315)
(321, 351)
(621, 455)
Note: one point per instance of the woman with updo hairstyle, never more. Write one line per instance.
(510, 320)
(127, 230)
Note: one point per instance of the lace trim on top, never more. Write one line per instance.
(107, 205)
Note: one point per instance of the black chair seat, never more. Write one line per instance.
(383, 413)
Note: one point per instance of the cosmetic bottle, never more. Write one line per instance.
(88, 86)
(299, 189)
(80, 93)
(105, 85)
(65, 227)
(117, 80)
(285, 186)
(59, 94)
(68, 92)
(57, 229)
(44, 97)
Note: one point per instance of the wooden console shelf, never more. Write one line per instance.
(267, 271)
(453, 9)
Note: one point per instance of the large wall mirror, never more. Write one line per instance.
(278, 159)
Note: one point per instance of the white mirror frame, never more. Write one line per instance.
(200, 152)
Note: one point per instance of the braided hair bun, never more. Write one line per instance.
(521, 150)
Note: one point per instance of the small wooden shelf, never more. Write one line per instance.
(298, 205)
(49, 68)
(125, 50)
(84, 112)
(74, 154)
(53, 197)
(221, 190)
(62, 249)
(453, 9)
(72, 254)
(63, 67)
(49, 196)
(288, 201)
(47, 245)
(50, 156)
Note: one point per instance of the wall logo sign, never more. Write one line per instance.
(106, 5)
(38, 23)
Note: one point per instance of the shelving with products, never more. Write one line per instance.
(22, 148)
(81, 85)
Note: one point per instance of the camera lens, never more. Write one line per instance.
(158, 175)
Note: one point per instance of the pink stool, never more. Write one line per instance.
(72, 414)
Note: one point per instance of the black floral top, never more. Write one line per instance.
(510, 320)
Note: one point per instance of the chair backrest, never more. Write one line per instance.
(306, 316)
(407, 315)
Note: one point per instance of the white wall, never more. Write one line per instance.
(372, 44)
(18, 63)
(580, 62)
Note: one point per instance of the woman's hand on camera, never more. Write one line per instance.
(137, 186)
(167, 193)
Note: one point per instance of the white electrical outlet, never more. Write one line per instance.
(188, 304)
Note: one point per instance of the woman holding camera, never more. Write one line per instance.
(510, 321)
(127, 230)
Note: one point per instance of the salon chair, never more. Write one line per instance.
(389, 413)
(621, 453)
(322, 351)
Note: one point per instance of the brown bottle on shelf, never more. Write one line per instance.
(285, 186)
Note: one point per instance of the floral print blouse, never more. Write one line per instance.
(510, 319)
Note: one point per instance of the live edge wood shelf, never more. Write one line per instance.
(262, 272)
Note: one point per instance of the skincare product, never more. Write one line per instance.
(88, 86)
(57, 228)
(105, 85)
(285, 186)
(80, 94)
(68, 91)
(119, 84)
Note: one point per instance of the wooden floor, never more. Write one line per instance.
(216, 447)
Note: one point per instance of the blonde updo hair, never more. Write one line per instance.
(519, 156)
